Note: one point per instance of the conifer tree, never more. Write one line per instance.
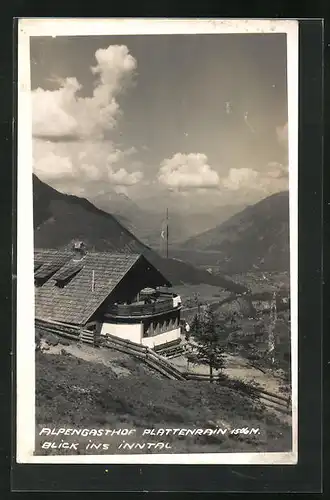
(194, 327)
(207, 349)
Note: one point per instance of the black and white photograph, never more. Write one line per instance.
(157, 241)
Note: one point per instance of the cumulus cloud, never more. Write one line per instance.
(63, 113)
(122, 178)
(187, 171)
(72, 149)
(272, 180)
(191, 175)
(85, 162)
(240, 177)
(277, 170)
(52, 167)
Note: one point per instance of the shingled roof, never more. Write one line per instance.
(76, 302)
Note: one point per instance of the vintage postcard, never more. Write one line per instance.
(157, 241)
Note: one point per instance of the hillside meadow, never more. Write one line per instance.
(83, 387)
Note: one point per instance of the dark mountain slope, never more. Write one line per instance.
(256, 237)
(59, 218)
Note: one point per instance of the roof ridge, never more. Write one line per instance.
(89, 252)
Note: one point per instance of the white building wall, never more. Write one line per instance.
(176, 301)
(131, 332)
(161, 338)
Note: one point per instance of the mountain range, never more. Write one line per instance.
(146, 219)
(59, 218)
(255, 238)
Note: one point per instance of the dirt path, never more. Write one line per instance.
(107, 357)
(238, 368)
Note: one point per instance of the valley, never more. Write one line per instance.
(232, 269)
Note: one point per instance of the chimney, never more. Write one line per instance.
(79, 250)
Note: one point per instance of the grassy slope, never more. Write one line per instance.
(71, 392)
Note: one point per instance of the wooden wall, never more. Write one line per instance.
(140, 276)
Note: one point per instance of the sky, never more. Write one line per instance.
(197, 121)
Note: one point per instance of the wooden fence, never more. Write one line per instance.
(161, 365)
(62, 329)
(277, 401)
(143, 353)
(147, 355)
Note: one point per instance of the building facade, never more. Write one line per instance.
(150, 324)
(122, 295)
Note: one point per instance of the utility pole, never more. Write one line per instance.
(273, 320)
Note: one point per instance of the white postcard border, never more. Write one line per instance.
(25, 339)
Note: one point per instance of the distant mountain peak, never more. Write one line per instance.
(72, 217)
(255, 238)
